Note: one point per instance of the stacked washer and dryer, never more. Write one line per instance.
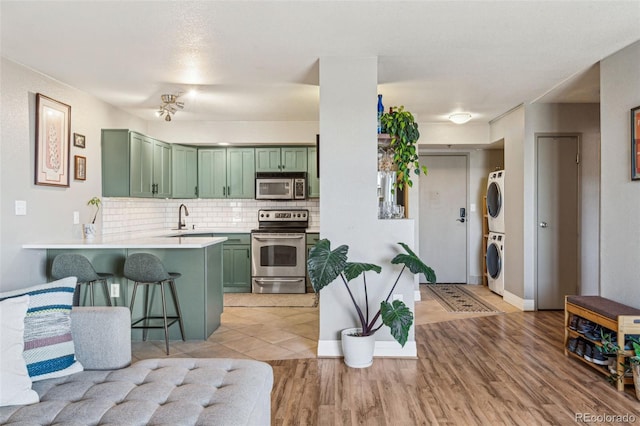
(496, 241)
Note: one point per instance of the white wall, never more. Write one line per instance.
(234, 132)
(348, 201)
(620, 197)
(49, 209)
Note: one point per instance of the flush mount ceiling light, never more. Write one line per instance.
(170, 105)
(460, 117)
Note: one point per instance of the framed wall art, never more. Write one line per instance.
(53, 124)
(78, 140)
(635, 143)
(80, 167)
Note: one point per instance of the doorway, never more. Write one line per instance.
(557, 219)
(443, 230)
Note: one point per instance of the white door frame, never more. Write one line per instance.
(578, 136)
(468, 186)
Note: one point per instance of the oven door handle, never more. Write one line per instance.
(277, 237)
(279, 280)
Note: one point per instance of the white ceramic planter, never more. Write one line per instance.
(89, 231)
(357, 350)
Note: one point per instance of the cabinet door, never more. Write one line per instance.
(241, 173)
(184, 170)
(236, 268)
(294, 159)
(313, 183)
(212, 173)
(141, 166)
(162, 169)
(268, 160)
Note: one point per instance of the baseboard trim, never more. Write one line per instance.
(519, 302)
(416, 296)
(333, 348)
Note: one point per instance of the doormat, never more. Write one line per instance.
(455, 298)
(303, 300)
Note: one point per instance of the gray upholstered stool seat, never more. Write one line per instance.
(147, 269)
(76, 265)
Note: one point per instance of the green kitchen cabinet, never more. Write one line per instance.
(134, 165)
(281, 159)
(313, 182)
(212, 173)
(226, 173)
(236, 261)
(184, 171)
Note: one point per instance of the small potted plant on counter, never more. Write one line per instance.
(325, 266)
(89, 229)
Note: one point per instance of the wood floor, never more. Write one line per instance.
(503, 369)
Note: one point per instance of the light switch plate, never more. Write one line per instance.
(21, 208)
(76, 218)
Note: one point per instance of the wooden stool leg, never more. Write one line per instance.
(176, 303)
(105, 287)
(90, 284)
(146, 310)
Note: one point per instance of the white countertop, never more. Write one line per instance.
(162, 239)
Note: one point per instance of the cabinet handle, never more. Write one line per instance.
(228, 191)
(224, 190)
(195, 190)
(247, 253)
(283, 166)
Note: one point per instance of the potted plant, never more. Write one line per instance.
(631, 364)
(89, 229)
(403, 130)
(325, 266)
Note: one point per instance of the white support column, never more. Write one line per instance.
(348, 201)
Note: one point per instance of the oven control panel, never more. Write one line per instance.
(297, 215)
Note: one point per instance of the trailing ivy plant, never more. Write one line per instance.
(326, 265)
(403, 129)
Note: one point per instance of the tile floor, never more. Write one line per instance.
(286, 333)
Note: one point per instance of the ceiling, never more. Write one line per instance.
(259, 60)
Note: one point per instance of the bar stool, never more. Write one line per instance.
(76, 265)
(147, 269)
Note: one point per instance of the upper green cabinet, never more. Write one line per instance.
(313, 182)
(226, 173)
(184, 171)
(134, 165)
(285, 159)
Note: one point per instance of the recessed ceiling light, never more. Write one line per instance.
(460, 117)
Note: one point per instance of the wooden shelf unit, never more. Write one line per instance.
(623, 325)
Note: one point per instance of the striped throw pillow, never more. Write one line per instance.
(48, 344)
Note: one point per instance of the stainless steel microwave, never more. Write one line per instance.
(281, 186)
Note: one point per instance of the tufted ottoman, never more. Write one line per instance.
(170, 391)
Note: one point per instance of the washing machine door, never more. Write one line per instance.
(494, 200)
(494, 262)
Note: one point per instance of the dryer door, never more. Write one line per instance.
(494, 262)
(494, 200)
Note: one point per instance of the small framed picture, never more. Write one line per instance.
(635, 143)
(80, 167)
(78, 140)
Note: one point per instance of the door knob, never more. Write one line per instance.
(543, 224)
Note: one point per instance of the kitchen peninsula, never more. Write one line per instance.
(197, 258)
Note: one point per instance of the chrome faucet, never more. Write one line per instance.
(181, 223)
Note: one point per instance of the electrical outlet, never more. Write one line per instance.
(21, 208)
(397, 297)
(115, 290)
(76, 218)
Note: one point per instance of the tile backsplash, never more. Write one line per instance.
(140, 215)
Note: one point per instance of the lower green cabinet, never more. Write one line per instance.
(312, 239)
(236, 263)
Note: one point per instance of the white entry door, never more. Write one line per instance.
(443, 234)
(557, 220)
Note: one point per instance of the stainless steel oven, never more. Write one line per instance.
(278, 252)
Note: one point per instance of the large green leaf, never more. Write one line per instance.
(398, 317)
(353, 269)
(325, 265)
(413, 262)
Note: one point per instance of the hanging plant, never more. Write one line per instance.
(403, 130)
